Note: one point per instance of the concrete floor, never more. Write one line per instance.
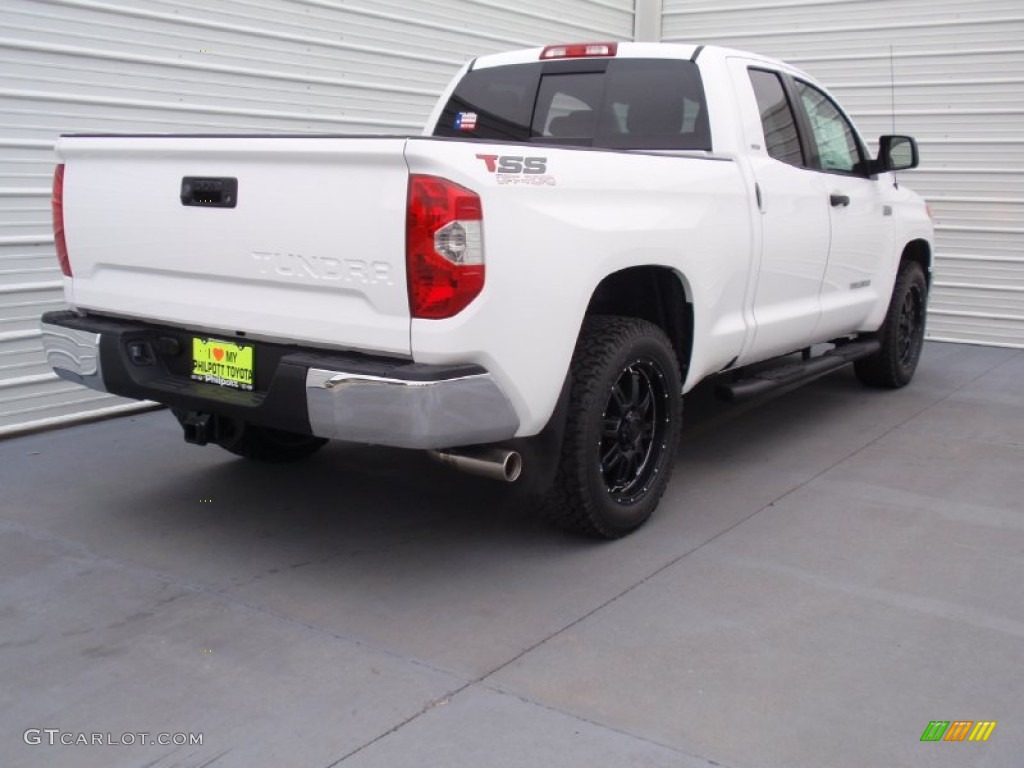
(829, 571)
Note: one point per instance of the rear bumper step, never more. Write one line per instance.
(793, 373)
(344, 396)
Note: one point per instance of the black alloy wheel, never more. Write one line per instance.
(622, 429)
(911, 326)
(901, 334)
(635, 422)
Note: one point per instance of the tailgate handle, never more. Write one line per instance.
(209, 192)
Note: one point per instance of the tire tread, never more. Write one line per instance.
(566, 504)
(883, 368)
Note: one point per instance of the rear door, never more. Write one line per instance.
(794, 215)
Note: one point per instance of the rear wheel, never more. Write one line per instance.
(622, 431)
(901, 334)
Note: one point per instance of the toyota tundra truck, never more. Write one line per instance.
(582, 234)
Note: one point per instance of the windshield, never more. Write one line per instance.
(611, 103)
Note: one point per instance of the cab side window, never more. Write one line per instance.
(834, 137)
(780, 134)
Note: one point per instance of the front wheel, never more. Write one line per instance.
(622, 430)
(901, 334)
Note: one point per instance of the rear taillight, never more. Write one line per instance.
(444, 251)
(579, 50)
(57, 204)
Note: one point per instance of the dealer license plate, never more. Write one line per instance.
(223, 363)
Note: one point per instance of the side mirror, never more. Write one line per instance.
(896, 153)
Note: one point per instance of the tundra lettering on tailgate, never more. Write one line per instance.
(323, 268)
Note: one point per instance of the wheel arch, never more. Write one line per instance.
(654, 293)
(919, 251)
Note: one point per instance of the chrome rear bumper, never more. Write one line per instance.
(466, 410)
(330, 395)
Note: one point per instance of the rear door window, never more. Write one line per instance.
(618, 103)
(781, 139)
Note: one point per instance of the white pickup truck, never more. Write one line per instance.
(582, 234)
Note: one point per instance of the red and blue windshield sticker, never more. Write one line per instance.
(465, 121)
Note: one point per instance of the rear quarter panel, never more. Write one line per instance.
(551, 238)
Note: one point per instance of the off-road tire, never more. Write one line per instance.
(622, 428)
(901, 334)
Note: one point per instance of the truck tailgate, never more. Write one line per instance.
(310, 249)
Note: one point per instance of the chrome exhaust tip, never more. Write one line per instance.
(495, 463)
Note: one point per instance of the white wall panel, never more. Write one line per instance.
(959, 74)
(215, 66)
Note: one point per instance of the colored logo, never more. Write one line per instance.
(514, 164)
(958, 730)
(515, 169)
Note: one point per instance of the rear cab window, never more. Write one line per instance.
(607, 103)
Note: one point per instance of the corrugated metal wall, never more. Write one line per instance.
(217, 66)
(959, 72)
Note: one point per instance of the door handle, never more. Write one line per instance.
(210, 192)
(839, 200)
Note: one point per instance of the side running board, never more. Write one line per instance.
(791, 373)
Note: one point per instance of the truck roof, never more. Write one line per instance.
(633, 51)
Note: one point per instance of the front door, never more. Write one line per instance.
(859, 214)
